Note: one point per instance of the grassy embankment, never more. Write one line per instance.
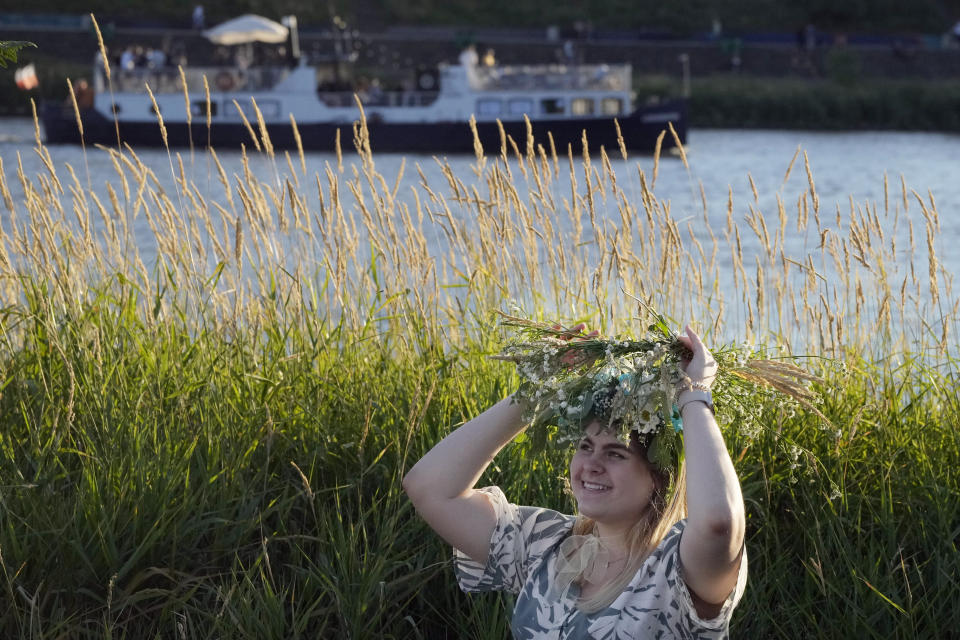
(213, 447)
(745, 102)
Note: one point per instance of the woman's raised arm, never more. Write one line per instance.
(441, 484)
(710, 549)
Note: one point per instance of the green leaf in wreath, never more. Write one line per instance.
(664, 449)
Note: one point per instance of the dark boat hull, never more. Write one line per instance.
(639, 130)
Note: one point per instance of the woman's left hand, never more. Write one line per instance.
(579, 332)
(702, 367)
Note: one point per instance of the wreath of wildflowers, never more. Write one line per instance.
(571, 378)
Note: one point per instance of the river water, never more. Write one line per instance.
(843, 165)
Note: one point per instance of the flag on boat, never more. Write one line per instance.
(26, 77)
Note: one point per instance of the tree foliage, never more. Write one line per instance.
(9, 49)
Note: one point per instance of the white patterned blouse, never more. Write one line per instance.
(523, 560)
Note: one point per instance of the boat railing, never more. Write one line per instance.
(597, 77)
(219, 79)
(378, 99)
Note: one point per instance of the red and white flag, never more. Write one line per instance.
(26, 78)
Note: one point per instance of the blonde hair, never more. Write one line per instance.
(668, 505)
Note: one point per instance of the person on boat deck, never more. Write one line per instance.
(128, 59)
(156, 58)
(469, 60)
(469, 57)
(197, 17)
(629, 565)
(83, 94)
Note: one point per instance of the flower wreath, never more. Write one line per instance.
(570, 379)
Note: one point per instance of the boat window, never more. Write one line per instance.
(520, 106)
(489, 107)
(552, 105)
(611, 106)
(581, 106)
(198, 108)
(269, 108)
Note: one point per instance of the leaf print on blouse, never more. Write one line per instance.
(523, 558)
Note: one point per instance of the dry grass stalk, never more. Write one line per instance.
(246, 124)
(553, 154)
(813, 186)
(299, 143)
(656, 159)
(932, 266)
(678, 146)
(531, 150)
(5, 192)
(516, 154)
(503, 141)
(786, 174)
(753, 188)
(156, 111)
(76, 107)
(620, 141)
(104, 59)
(186, 102)
(208, 108)
(262, 126)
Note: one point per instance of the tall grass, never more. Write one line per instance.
(211, 445)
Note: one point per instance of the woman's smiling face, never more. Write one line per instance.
(611, 482)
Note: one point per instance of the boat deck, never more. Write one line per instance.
(600, 77)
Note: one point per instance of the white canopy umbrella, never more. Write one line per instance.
(245, 29)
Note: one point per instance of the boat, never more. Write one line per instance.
(445, 110)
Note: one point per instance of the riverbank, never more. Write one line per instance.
(791, 103)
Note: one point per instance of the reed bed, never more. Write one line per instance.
(209, 443)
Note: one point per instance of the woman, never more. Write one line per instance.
(627, 566)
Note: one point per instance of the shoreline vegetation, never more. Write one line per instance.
(740, 102)
(212, 446)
